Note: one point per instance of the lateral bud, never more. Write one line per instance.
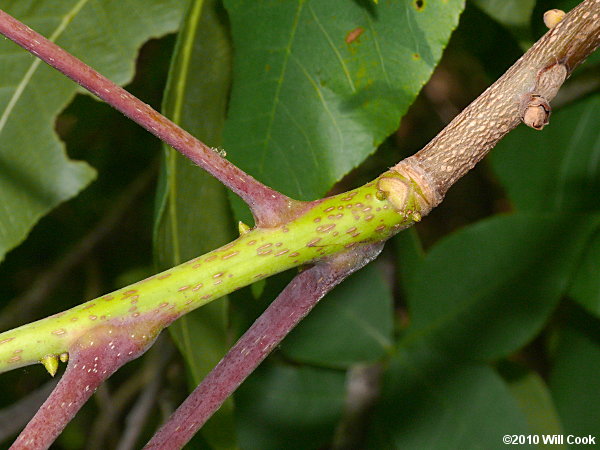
(536, 113)
(552, 17)
(50, 362)
(243, 228)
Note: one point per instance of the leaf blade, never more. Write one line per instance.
(444, 405)
(35, 172)
(317, 86)
(501, 302)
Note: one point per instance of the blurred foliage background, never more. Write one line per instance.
(481, 321)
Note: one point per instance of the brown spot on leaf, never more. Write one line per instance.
(354, 35)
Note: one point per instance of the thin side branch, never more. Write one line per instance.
(269, 207)
(94, 358)
(288, 309)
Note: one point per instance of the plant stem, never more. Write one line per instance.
(333, 225)
(288, 309)
(288, 234)
(268, 206)
(539, 73)
(426, 177)
(94, 357)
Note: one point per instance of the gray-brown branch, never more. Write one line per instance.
(523, 93)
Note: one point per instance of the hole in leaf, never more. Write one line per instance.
(419, 4)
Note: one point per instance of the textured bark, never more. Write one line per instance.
(531, 83)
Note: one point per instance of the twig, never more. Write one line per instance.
(291, 306)
(94, 358)
(412, 188)
(362, 391)
(523, 93)
(269, 207)
(143, 407)
(121, 399)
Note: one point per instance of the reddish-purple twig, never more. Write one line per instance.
(289, 308)
(95, 356)
(268, 206)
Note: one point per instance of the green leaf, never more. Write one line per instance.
(410, 255)
(427, 402)
(558, 169)
(475, 306)
(511, 13)
(574, 380)
(289, 407)
(352, 324)
(586, 282)
(318, 85)
(35, 172)
(535, 400)
(514, 15)
(192, 214)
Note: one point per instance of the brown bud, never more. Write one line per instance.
(537, 112)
